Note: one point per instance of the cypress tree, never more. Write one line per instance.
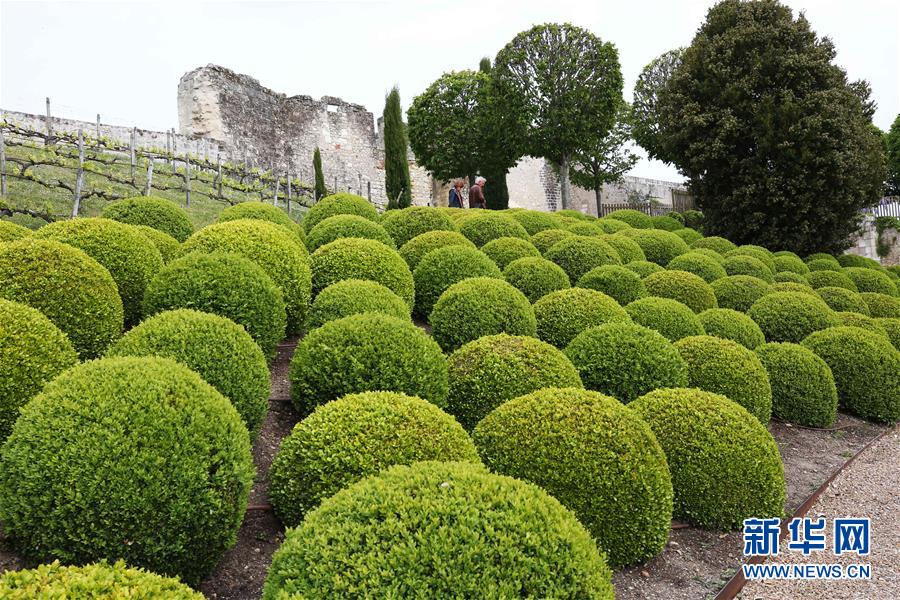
(396, 167)
(495, 162)
(320, 176)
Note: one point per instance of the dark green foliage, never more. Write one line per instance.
(621, 284)
(158, 213)
(666, 223)
(693, 219)
(264, 212)
(354, 437)
(564, 314)
(739, 292)
(345, 226)
(685, 287)
(534, 220)
(507, 249)
(488, 371)
(791, 286)
(671, 318)
(320, 190)
(635, 218)
(790, 264)
(892, 156)
(803, 389)
(484, 226)
(659, 246)
(480, 306)
(403, 225)
(645, 106)
(699, 264)
(688, 235)
(627, 249)
(791, 277)
(546, 239)
(10, 231)
(366, 352)
(160, 459)
(855, 260)
(882, 305)
(732, 325)
(643, 267)
(355, 296)
(892, 329)
(595, 456)
(536, 277)
(870, 280)
(517, 541)
(217, 349)
(169, 248)
(866, 370)
(441, 268)
(579, 254)
(827, 278)
(725, 367)
(397, 184)
(748, 265)
(714, 242)
(73, 290)
(841, 299)
(725, 465)
(791, 316)
(415, 249)
(341, 203)
(223, 284)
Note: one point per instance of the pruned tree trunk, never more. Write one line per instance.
(597, 192)
(564, 190)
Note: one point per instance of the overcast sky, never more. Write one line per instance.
(124, 59)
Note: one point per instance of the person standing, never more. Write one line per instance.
(456, 199)
(476, 193)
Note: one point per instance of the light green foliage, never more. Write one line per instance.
(405, 224)
(627, 249)
(534, 220)
(546, 239)
(536, 277)
(790, 263)
(346, 226)
(688, 235)
(823, 256)
(355, 296)
(485, 225)
(666, 223)
(673, 319)
(158, 213)
(791, 277)
(824, 264)
(892, 329)
(415, 249)
(263, 212)
(685, 287)
(619, 283)
(881, 305)
(699, 264)
(742, 264)
(441, 268)
(564, 314)
(855, 260)
(732, 325)
(803, 389)
(506, 249)
(828, 278)
(714, 242)
(635, 218)
(791, 316)
(579, 254)
(612, 225)
(870, 280)
(341, 203)
(764, 255)
(643, 267)
(842, 299)
(852, 319)
(739, 292)
(659, 246)
(10, 231)
(587, 228)
(169, 248)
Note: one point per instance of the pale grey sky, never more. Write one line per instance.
(124, 59)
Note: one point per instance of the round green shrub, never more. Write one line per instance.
(217, 349)
(818, 279)
(719, 244)
(739, 292)
(791, 277)
(725, 465)
(688, 235)
(593, 455)
(626, 360)
(506, 249)
(535, 221)
(725, 367)
(854, 260)
(881, 305)
(487, 225)
(693, 218)
(892, 329)
(546, 239)
(621, 284)
(748, 265)
(579, 254)
(627, 249)
(791, 316)
(405, 224)
(786, 253)
(10, 231)
(666, 223)
(644, 267)
(346, 226)
(586, 228)
(709, 269)
(354, 437)
(677, 216)
(441, 268)
(710, 253)
(659, 246)
(671, 318)
(160, 460)
(223, 284)
(169, 248)
(99, 580)
(790, 264)
(415, 249)
(575, 214)
(32, 352)
(355, 258)
(803, 389)
(821, 256)
(761, 254)
(493, 537)
(535, 277)
(853, 319)
(263, 212)
(870, 280)
(487, 372)
(564, 314)
(732, 325)
(842, 299)
(635, 218)
(342, 203)
(151, 211)
(72, 289)
(355, 296)
(821, 264)
(685, 287)
(273, 249)
(131, 258)
(612, 225)
(789, 286)
(480, 306)
(866, 370)
(366, 352)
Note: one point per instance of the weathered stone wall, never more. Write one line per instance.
(865, 243)
(890, 238)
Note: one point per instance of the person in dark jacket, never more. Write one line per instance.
(456, 199)
(476, 193)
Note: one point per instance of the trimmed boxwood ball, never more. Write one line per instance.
(415, 249)
(506, 249)
(626, 360)
(99, 580)
(575, 214)
(790, 277)
(710, 253)
(673, 319)
(487, 225)
(803, 389)
(585, 228)
(866, 370)
(841, 299)
(346, 226)
(666, 223)
(355, 296)
(366, 352)
(488, 371)
(763, 255)
(534, 221)
(564, 314)
(688, 235)
(152, 211)
(719, 244)
(892, 329)
(216, 348)
(169, 248)
(546, 239)
(791, 316)
(273, 249)
(881, 305)
(627, 249)
(491, 537)
(160, 459)
(611, 225)
(821, 264)
(644, 267)
(852, 319)
(685, 287)
(855, 260)
(790, 286)
(72, 289)
(732, 325)
(263, 212)
(821, 256)
(342, 203)
(405, 224)
(659, 246)
(579, 254)
(699, 264)
(130, 257)
(725, 465)
(223, 284)
(621, 284)
(441, 268)
(635, 218)
(818, 279)
(739, 292)
(535, 277)
(10, 231)
(870, 280)
(592, 454)
(354, 437)
(32, 352)
(480, 306)
(748, 265)
(791, 264)
(355, 258)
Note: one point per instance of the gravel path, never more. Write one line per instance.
(870, 487)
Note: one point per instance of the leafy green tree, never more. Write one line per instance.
(564, 85)
(644, 114)
(320, 176)
(777, 144)
(396, 165)
(892, 152)
(501, 141)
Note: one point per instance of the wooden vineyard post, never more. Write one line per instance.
(49, 125)
(131, 153)
(277, 181)
(187, 180)
(98, 129)
(149, 178)
(334, 190)
(2, 164)
(369, 185)
(218, 183)
(288, 191)
(79, 176)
